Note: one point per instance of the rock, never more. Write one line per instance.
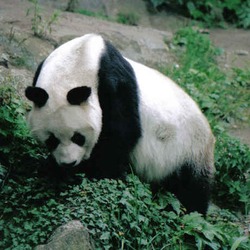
(4, 60)
(73, 236)
(241, 52)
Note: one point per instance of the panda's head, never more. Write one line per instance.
(70, 131)
(66, 114)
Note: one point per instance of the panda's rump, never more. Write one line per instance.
(174, 131)
(159, 151)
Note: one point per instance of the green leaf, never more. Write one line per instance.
(105, 236)
(238, 241)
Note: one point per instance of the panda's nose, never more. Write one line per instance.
(68, 165)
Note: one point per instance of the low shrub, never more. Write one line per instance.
(16, 144)
(233, 173)
(118, 215)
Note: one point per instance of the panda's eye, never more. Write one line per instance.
(78, 139)
(52, 142)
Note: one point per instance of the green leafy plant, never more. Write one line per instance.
(16, 144)
(243, 13)
(199, 73)
(118, 214)
(41, 27)
(233, 176)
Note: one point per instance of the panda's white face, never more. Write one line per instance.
(69, 133)
(66, 115)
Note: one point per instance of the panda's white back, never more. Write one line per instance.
(174, 129)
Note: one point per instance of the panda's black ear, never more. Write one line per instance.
(78, 95)
(37, 95)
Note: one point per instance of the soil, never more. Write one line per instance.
(146, 43)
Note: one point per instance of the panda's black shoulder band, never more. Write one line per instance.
(39, 68)
(78, 95)
(37, 95)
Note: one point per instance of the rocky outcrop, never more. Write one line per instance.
(73, 236)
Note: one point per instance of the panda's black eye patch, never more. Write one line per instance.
(78, 139)
(52, 142)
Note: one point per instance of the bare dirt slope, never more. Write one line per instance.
(145, 43)
(142, 44)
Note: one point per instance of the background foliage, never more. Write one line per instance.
(212, 12)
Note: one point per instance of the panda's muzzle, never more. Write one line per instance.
(68, 165)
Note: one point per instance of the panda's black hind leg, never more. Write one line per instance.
(192, 189)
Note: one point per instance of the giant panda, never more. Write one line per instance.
(96, 109)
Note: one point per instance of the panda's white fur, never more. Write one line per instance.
(174, 132)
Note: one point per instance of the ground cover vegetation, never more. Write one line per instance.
(122, 214)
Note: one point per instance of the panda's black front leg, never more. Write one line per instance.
(109, 159)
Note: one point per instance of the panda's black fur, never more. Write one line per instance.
(118, 96)
(122, 128)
